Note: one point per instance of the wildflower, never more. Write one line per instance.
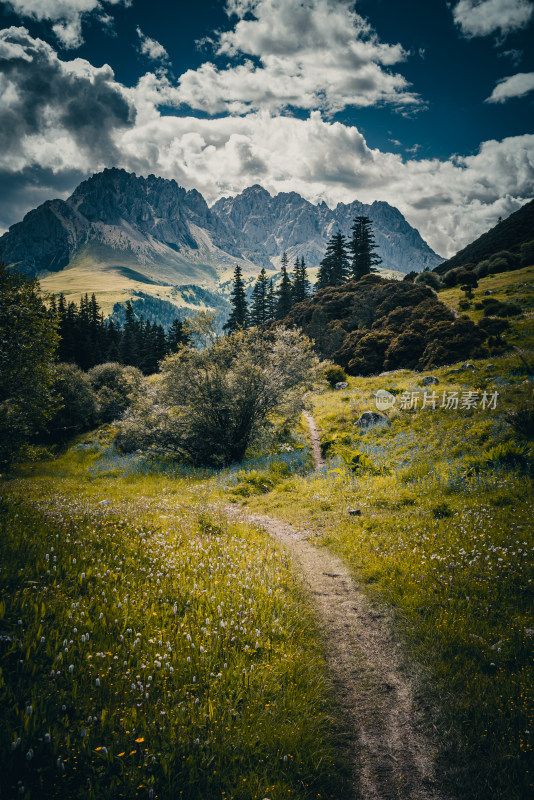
(47, 738)
(29, 755)
(71, 668)
(29, 710)
(97, 682)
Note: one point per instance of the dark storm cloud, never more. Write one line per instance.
(31, 186)
(41, 93)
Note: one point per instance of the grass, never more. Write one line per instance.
(445, 539)
(149, 649)
(515, 287)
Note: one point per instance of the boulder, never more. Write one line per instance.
(341, 385)
(369, 418)
(430, 380)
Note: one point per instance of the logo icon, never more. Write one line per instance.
(384, 400)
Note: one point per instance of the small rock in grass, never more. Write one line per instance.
(341, 385)
(430, 380)
(355, 512)
(467, 366)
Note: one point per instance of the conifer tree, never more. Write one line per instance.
(284, 300)
(271, 301)
(176, 336)
(238, 314)
(258, 313)
(300, 282)
(334, 268)
(362, 247)
(129, 345)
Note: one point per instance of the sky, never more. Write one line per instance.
(425, 104)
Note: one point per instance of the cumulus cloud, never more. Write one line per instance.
(67, 15)
(307, 54)
(514, 86)
(62, 120)
(151, 48)
(450, 202)
(55, 111)
(484, 17)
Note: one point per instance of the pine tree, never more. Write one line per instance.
(362, 247)
(238, 314)
(301, 284)
(258, 313)
(334, 268)
(129, 344)
(176, 336)
(271, 302)
(284, 299)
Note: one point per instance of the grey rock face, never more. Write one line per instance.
(156, 220)
(268, 225)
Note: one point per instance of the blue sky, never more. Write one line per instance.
(427, 105)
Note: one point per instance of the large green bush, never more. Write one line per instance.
(79, 407)
(116, 387)
(212, 403)
(28, 342)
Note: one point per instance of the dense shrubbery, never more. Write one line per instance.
(28, 340)
(211, 404)
(115, 387)
(78, 408)
(503, 261)
(377, 324)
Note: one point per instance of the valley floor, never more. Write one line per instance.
(364, 629)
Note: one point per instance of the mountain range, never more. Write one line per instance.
(118, 234)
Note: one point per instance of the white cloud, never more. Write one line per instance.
(484, 17)
(83, 120)
(67, 15)
(513, 86)
(306, 54)
(151, 48)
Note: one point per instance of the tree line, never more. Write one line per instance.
(344, 260)
(87, 339)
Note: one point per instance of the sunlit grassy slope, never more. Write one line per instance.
(149, 649)
(434, 512)
(510, 287)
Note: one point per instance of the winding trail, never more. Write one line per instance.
(386, 739)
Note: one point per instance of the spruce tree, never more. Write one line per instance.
(258, 313)
(334, 268)
(271, 302)
(238, 314)
(284, 299)
(129, 344)
(176, 336)
(301, 284)
(362, 247)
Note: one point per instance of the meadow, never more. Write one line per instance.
(433, 512)
(151, 649)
